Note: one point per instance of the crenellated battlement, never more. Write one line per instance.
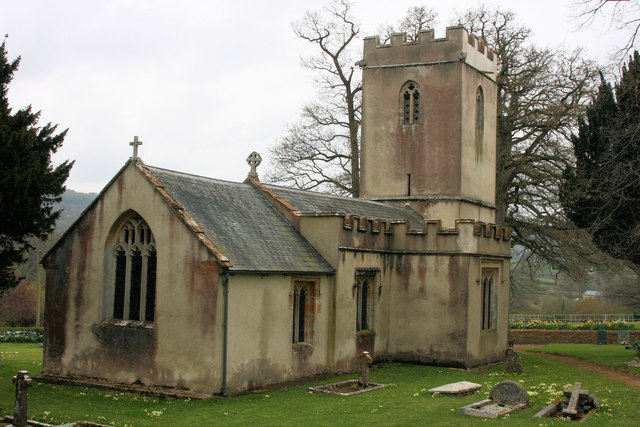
(457, 46)
(386, 226)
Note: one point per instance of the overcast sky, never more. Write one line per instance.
(202, 83)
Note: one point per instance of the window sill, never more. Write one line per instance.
(489, 331)
(365, 333)
(301, 347)
(140, 324)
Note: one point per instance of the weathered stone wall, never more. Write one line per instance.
(181, 347)
(535, 336)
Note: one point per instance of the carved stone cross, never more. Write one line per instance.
(365, 360)
(254, 160)
(135, 143)
(22, 382)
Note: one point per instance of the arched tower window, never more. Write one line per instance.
(134, 294)
(479, 119)
(410, 97)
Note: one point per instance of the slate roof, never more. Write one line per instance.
(242, 224)
(309, 202)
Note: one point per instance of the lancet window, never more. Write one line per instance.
(410, 103)
(135, 272)
(489, 298)
(304, 307)
(479, 118)
(365, 300)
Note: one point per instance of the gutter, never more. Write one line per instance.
(225, 291)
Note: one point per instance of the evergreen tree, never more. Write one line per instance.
(29, 184)
(601, 191)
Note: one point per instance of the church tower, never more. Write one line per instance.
(429, 125)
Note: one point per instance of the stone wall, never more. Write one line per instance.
(537, 336)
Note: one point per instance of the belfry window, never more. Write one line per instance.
(479, 119)
(410, 103)
(135, 256)
(303, 304)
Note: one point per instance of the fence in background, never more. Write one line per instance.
(574, 317)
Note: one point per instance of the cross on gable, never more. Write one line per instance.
(135, 143)
(254, 160)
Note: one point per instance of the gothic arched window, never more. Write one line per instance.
(479, 119)
(135, 256)
(410, 103)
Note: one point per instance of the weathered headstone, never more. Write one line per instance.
(575, 393)
(509, 393)
(365, 360)
(505, 397)
(601, 337)
(513, 363)
(22, 382)
(623, 337)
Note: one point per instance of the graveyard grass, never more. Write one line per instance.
(405, 400)
(610, 355)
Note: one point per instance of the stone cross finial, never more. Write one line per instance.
(253, 160)
(135, 143)
(365, 360)
(22, 382)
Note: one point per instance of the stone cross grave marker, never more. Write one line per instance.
(623, 337)
(135, 143)
(577, 392)
(365, 360)
(254, 161)
(513, 364)
(22, 382)
(601, 337)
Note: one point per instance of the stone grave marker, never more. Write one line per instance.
(505, 397)
(623, 337)
(22, 382)
(577, 405)
(461, 388)
(601, 337)
(513, 363)
(365, 360)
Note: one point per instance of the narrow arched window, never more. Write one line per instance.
(410, 95)
(135, 272)
(479, 119)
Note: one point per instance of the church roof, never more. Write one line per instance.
(312, 203)
(242, 224)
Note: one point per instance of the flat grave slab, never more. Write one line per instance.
(505, 397)
(461, 388)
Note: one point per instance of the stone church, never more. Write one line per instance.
(184, 281)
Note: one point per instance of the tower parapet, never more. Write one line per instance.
(458, 45)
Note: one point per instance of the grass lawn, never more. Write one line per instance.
(610, 355)
(405, 400)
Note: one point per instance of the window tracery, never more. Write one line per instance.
(135, 272)
(410, 103)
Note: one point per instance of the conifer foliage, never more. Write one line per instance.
(601, 192)
(29, 184)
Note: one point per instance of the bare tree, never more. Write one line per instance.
(541, 95)
(322, 150)
(418, 18)
(620, 15)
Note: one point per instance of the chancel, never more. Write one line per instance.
(177, 280)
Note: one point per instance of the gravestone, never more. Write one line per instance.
(513, 363)
(505, 397)
(365, 360)
(22, 382)
(461, 388)
(601, 337)
(623, 337)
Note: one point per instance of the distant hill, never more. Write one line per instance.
(73, 204)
